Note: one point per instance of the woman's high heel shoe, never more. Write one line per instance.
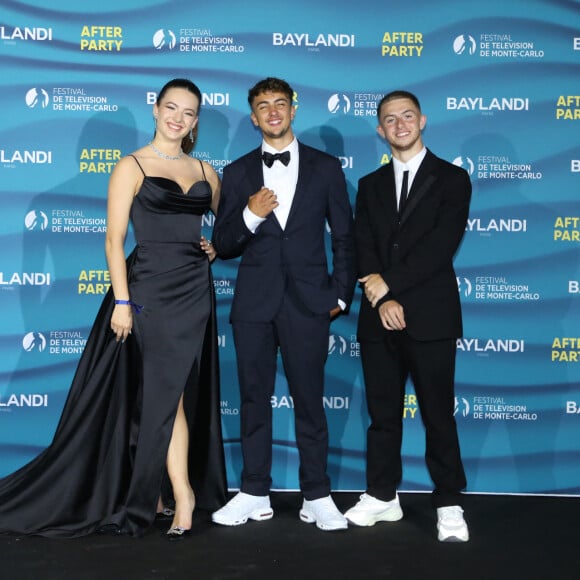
(165, 514)
(177, 533)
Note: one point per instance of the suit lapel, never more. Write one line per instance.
(254, 169)
(423, 181)
(306, 163)
(255, 174)
(386, 193)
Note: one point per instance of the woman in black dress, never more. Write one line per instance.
(144, 401)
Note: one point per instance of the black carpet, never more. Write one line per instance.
(512, 537)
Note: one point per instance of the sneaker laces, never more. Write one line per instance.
(452, 515)
(367, 499)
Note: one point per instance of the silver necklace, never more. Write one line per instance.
(164, 155)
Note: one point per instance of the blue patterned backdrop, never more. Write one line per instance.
(499, 83)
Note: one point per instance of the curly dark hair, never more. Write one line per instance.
(270, 84)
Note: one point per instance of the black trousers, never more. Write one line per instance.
(431, 365)
(303, 342)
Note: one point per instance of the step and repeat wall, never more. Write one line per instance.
(500, 85)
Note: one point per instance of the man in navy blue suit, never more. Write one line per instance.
(275, 204)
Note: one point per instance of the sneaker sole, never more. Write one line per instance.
(257, 516)
(310, 519)
(371, 521)
(452, 539)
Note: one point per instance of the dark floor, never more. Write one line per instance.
(512, 537)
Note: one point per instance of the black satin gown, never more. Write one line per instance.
(106, 464)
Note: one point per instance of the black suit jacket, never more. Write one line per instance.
(414, 256)
(294, 259)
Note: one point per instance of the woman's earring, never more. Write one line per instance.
(191, 134)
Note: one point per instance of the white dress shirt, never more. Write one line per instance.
(412, 166)
(282, 180)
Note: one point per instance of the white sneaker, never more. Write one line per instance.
(451, 526)
(324, 513)
(242, 507)
(369, 510)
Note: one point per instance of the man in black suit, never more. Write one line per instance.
(410, 315)
(275, 204)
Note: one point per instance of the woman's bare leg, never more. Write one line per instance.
(177, 468)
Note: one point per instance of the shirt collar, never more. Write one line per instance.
(292, 147)
(412, 165)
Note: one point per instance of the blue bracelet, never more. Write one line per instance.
(137, 307)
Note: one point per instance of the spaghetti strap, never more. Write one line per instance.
(139, 164)
(204, 177)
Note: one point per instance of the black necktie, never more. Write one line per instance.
(269, 158)
(404, 192)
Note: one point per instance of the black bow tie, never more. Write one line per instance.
(269, 158)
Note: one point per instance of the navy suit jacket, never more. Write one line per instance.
(414, 255)
(294, 259)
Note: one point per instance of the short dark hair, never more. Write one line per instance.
(393, 95)
(187, 143)
(270, 84)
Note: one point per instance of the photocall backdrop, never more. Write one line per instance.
(499, 83)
